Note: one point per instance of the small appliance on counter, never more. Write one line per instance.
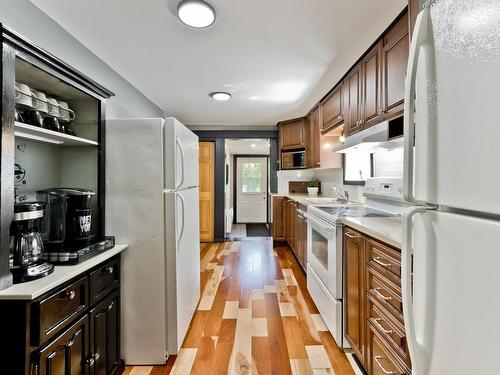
(67, 226)
(26, 246)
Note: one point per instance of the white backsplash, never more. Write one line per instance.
(385, 164)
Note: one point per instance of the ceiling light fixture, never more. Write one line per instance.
(196, 13)
(253, 145)
(220, 96)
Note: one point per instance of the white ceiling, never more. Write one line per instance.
(277, 57)
(247, 146)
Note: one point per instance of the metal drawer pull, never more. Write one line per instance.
(97, 356)
(378, 261)
(70, 295)
(110, 270)
(377, 291)
(377, 322)
(377, 359)
(351, 236)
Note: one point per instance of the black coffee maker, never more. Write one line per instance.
(67, 225)
(26, 245)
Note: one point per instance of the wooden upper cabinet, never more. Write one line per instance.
(394, 62)
(372, 91)
(292, 134)
(353, 123)
(331, 109)
(313, 148)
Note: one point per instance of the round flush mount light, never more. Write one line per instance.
(253, 145)
(196, 13)
(220, 96)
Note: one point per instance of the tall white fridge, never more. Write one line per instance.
(451, 236)
(152, 205)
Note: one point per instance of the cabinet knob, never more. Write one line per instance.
(71, 294)
(339, 117)
(96, 357)
(90, 361)
(110, 270)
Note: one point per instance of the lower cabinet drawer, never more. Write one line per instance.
(104, 279)
(389, 328)
(381, 359)
(385, 292)
(58, 309)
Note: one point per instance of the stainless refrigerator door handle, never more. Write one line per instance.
(406, 288)
(183, 203)
(179, 145)
(420, 36)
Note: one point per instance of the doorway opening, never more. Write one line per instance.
(247, 189)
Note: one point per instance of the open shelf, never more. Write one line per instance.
(36, 134)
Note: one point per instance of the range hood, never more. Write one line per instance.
(386, 135)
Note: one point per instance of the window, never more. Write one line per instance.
(358, 167)
(251, 177)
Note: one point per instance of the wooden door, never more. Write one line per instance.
(207, 190)
(301, 235)
(68, 353)
(354, 83)
(292, 134)
(297, 249)
(331, 109)
(278, 215)
(371, 103)
(104, 335)
(354, 255)
(313, 124)
(395, 50)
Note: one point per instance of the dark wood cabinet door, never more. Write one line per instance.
(331, 109)
(292, 134)
(313, 124)
(394, 63)
(353, 123)
(371, 70)
(104, 335)
(278, 215)
(354, 255)
(302, 224)
(67, 354)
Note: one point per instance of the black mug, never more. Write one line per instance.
(52, 123)
(33, 117)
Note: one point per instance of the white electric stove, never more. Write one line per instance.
(384, 198)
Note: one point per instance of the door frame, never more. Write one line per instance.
(235, 181)
(219, 137)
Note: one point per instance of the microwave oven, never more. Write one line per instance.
(293, 159)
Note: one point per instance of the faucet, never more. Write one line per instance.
(343, 198)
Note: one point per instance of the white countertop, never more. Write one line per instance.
(301, 198)
(34, 289)
(385, 229)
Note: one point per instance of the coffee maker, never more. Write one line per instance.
(67, 225)
(26, 245)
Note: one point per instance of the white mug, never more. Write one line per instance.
(40, 101)
(53, 108)
(66, 113)
(23, 97)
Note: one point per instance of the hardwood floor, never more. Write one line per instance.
(255, 316)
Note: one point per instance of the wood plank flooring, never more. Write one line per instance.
(255, 316)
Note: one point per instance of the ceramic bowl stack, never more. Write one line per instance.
(33, 107)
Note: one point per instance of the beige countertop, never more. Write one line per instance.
(301, 198)
(385, 229)
(34, 289)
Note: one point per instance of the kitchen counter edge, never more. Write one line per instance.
(34, 289)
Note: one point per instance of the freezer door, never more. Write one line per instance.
(183, 263)
(453, 322)
(182, 153)
(454, 63)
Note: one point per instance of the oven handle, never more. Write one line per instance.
(312, 220)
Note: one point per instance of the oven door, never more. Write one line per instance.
(324, 254)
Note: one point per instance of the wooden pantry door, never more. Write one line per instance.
(207, 190)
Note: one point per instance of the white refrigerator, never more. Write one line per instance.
(152, 205)
(451, 237)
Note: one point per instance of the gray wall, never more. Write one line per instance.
(26, 19)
